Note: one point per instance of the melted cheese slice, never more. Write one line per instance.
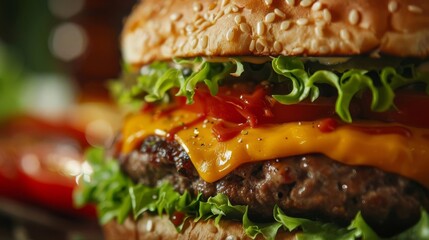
(406, 156)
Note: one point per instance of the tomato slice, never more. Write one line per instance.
(52, 191)
(30, 166)
(257, 107)
(411, 108)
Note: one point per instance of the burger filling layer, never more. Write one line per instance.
(311, 185)
(316, 137)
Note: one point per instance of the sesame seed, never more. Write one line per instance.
(193, 42)
(306, 3)
(364, 25)
(238, 19)
(314, 44)
(206, 16)
(264, 42)
(319, 31)
(230, 34)
(279, 13)
(316, 6)
(354, 17)
(175, 16)
(259, 46)
(297, 50)
(277, 46)
(251, 48)
(235, 8)
(414, 9)
(268, 2)
(199, 21)
(224, 2)
(204, 25)
(269, 18)
(228, 10)
(260, 28)
(327, 15)
(180, 46)
(320, 23)
(302, 21)
(290, 2)
(212, 17)
(392, 6)
(189, 28)
(244, 27)
(332, 44)
(344, 34)
(204, 41)
(197, 7)
(285, 25)
(149, 226)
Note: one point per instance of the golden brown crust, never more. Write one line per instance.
(155, 227)
(161, 30)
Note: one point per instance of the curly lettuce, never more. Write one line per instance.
(348, 85)
(157, 79)
(117, 197)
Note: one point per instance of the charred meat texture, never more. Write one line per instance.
(304, 186)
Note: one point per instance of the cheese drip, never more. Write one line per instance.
(405, 155)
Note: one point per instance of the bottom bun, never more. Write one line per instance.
(150, 227)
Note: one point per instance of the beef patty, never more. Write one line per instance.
(312, 186)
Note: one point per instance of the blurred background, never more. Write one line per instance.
(56, 59)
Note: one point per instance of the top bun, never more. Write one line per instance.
(162, 30)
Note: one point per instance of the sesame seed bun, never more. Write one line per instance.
(156, 227)
(162, 30)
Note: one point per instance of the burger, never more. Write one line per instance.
(269, 119)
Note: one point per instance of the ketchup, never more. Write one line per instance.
(224, 132)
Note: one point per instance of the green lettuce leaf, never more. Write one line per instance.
(117, 197)
(157, 79)
(350, 84)
(106, 186)
(252, 229)
(314, 229)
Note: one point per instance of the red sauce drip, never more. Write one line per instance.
(177, 218)
(383, 130)
(175, 130)
(225, 132)
(255, 107)
(328, 125)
